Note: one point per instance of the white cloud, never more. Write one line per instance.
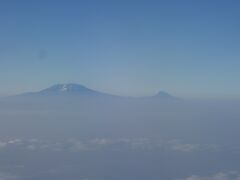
(186, 147)
(78, 145)
(177, 145)
(4, 144)
(233, 175)
(102, 141)
(5, 176)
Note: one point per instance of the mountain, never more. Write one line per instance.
(164, 95)
(65, 90)
(77, 90)
(68, 89)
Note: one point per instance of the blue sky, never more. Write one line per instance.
(189, 48)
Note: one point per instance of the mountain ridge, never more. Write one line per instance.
(73, 89)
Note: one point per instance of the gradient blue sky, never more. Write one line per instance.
(190, 48)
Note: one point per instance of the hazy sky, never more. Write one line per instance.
(189, 48)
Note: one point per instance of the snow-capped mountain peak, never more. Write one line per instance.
(66, 88)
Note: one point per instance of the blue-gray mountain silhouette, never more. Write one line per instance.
(75, 90)
(164, 95)
(70, 89)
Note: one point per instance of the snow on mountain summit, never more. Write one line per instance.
(66, 88)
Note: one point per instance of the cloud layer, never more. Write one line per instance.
(232, 175)
(77, 145)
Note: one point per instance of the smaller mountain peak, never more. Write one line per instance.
(164, 95)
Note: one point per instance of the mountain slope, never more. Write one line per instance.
(66, 90)
(77, 90)
(164, 95)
